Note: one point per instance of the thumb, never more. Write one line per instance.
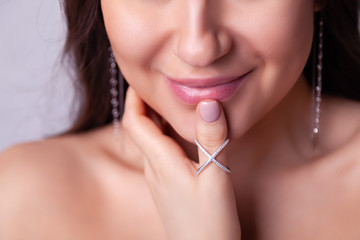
(211, 133)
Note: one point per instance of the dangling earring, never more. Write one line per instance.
(317, 80)
(116, 92)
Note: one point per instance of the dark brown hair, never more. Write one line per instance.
(87, 43)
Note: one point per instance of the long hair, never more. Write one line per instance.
(87, 43)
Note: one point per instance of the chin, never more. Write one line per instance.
(185, 132)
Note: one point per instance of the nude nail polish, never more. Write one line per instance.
(209, 111)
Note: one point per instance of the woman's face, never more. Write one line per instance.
(245, 53)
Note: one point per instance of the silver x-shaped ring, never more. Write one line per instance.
(212, 157)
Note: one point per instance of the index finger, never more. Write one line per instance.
(161, 151)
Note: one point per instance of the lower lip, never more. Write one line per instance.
(193, 95)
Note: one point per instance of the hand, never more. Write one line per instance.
(191, 206)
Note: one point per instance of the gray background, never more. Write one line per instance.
(35, 90)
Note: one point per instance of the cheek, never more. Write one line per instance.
(137, 40)
(285, 37)
(126, 38)
(281, 38)
(133, 34)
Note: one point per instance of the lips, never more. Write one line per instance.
(192, 91)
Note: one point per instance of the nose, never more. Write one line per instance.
(202, 39)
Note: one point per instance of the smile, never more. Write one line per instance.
(192, 91)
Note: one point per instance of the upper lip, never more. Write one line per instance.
(204, 82)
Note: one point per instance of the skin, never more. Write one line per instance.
(143, 185)
(202, 41)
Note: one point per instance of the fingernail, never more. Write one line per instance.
(209, 111)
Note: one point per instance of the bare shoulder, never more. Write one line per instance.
(34, 149)
(340, 124)
(349, 122)
(341, 132)
(344, 130)
(37, 158)
(34, 158)
(36, 182)
(72, 186)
